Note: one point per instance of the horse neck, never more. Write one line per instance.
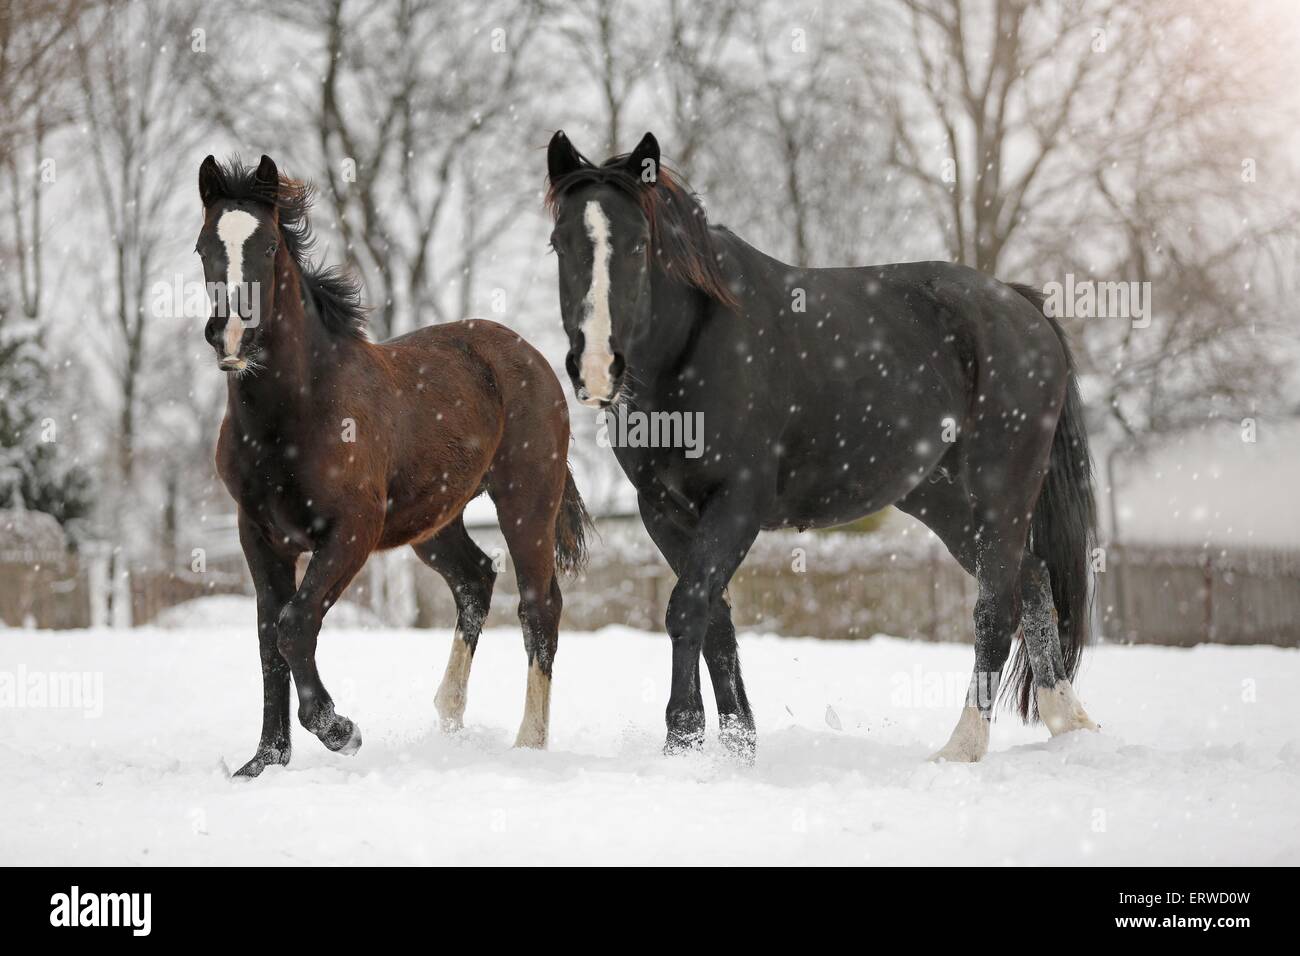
(677, 311)
(289, 374)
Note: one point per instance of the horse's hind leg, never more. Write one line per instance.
(528, 524)
(468, 572)
(1001, 466)
(945, 507)
(1058, 706)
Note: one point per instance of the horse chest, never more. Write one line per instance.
(269, 483)
(667, 476)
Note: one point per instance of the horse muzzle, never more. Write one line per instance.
(610, 381)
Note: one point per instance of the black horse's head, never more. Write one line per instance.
(238, 245)
(615, 225)
(601, 241)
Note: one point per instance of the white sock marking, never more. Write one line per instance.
(969, 741)
(537, 710)
(452, 693)
(1061, 710)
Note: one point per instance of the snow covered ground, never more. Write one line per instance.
(1198, 761)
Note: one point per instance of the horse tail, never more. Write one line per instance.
(571, 527)
(1062, 531)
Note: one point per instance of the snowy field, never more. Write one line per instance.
(1198, 761)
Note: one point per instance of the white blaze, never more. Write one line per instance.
(596, 323)
(233, 229)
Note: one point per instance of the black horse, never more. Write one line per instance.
(827, 394)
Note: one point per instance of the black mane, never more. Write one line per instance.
(334, 292)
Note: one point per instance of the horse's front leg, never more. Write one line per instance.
(333, 565)
(272, 574)
(726, 529)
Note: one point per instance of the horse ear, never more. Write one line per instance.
(643, 162)
(268, 179)
(561, 157)
(211, 183)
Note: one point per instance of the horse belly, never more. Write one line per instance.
(417, 510)
(826, 504)
(418, 521)
(844, 476)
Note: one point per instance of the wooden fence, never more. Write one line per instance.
(835, 586)
(63, 594)
(1194, 595)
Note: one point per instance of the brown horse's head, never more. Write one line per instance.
(239, 244)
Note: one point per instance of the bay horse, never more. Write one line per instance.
(335, 445)
(826, 395)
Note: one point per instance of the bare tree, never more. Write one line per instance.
(978, 100)
(31, 35)
(611, 43)
(700, 73)
(36, 471)
(793, 157)
(1088, 136)
(134, 68)
(1179, 196)
(405, 94)
(33, 106)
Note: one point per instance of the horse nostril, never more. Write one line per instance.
(210, 332)
(616, 367)
(571, 364)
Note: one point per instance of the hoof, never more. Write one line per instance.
(969, 741)
(342, 736)
(336, 732)
(1061, 710)
(739, 739)
(353, 742)
(451, 711)
(261, 760)
(685, 729)
(451, 725)
(531, 737)
(683, 743)
(950, 754)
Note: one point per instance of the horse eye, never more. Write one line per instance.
(274, 247)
